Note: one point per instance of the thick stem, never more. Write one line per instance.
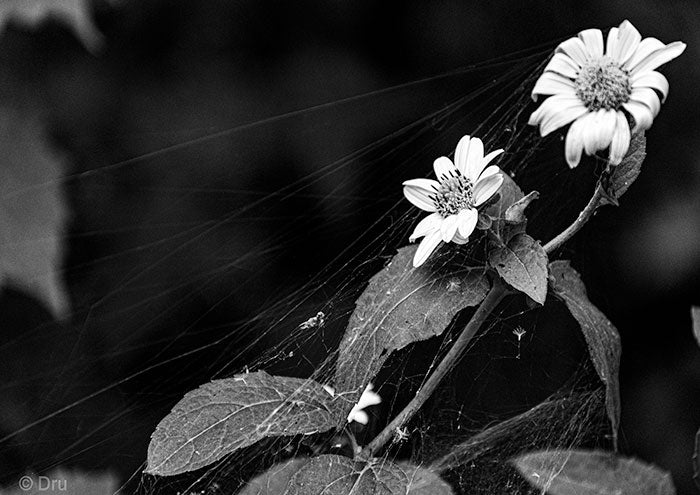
(497, 292)
(596, 201)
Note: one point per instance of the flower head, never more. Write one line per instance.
(598, 88)
(453, 199)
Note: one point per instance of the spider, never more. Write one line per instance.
(401, 434)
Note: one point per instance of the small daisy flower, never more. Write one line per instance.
(598, 87)
(453, 199)
(368, 398)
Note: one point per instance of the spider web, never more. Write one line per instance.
(510, 394)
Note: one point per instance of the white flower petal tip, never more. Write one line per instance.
(596, 86)
(368, 398)
(452, 200)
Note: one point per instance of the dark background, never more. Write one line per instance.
(174, 250)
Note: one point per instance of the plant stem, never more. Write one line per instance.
(497, 292)
(598, 199)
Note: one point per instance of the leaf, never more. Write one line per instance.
(32, 13)
(225, 415)
(275, 480)
(580, 472)
(695, 317)
(402, 305)
(516, 212)
(621, 177)
(32, 211)
(523, 264)
(601, 336)
(343, 476)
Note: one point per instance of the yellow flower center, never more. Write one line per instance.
(603, 83)
(454, 194)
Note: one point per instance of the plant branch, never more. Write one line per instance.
(598, 199)
(497, 292)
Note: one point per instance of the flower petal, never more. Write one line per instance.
(467, 222)
(649, 97)
(597, 134)
(575, 49)
(489, 158)
(612, 40)
(574, 141)
(621, 139)
(426, 226)
(551, 108)
(358, 416)
(461, 153)
(627, 42)
(458, 239)
(418, 192)
(487, 187)
(562, 64)
(550, 83)
(448, 227)
(555, 120)
(643, 117)
(593, 40)
(606, 127)
(426, 247)
(659, 57)
(489, 171)
(645, 48)
(475, 158)
(654, 80)
(444, 167)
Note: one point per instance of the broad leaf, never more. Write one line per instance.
(695, 316)
(523, 265)
(402, 305)
(32, 211)
(621, 177)
(275, 480)
(343, 476)
(516, 212)
(601, 336)
(76, 13)
(580, 472)
(225, 415)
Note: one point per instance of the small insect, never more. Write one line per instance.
(401, 434)
(519, 332)
(315, 321)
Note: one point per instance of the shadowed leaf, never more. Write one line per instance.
(623, 175)
(523, 264)
(508, 195)
(601, 336)
(343, 476)
(402, 305)
(225, 415)
(74, 12)
(32, 211)
(580, 472)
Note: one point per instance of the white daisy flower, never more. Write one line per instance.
(597, 90)
(453, 198)
(368, 398)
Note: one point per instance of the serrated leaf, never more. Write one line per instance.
(523, 265)
(601, 336)
(32, 211)
(74, 12)
(275, 480)
(226, 415)
(402, 305)
(340, 475)
(623, 175)
(695, 317)
(581, 472)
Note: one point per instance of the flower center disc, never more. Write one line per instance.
(602, 83)
(454, 194)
